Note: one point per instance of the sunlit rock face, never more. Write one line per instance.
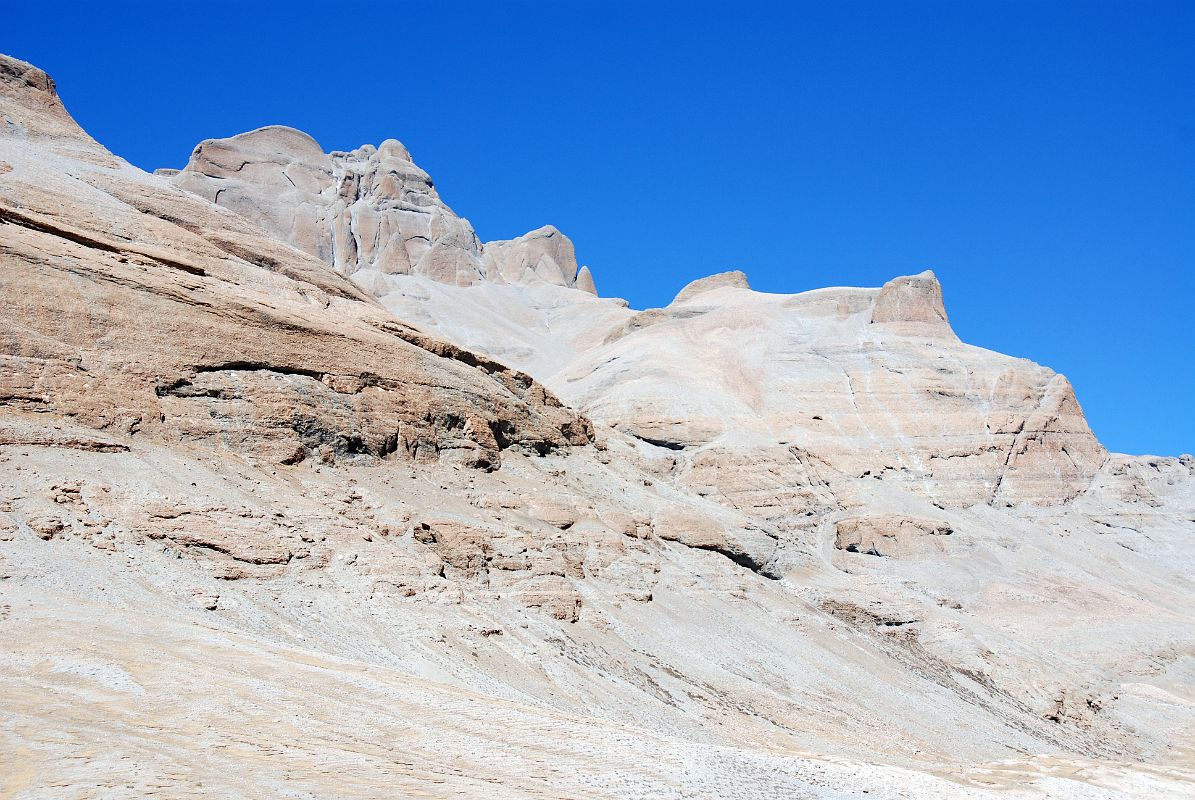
(368, 213)
(867, 383)
(436, 520)
(544, 254)
(136, 307)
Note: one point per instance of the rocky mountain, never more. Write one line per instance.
(368, 214)
(306, 492)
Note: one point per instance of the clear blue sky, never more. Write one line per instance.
(1040, 157)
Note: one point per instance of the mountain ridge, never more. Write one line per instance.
(274, 521)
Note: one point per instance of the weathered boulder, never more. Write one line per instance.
(890, 535)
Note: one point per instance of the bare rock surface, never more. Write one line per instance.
(912, 305)
(810, 545)
(132, 306)
(371, 208)
(736, 279)
(369, 213)
(544, 254)
(854, 382)
(890, 535)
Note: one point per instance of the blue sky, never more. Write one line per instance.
(1040, 157)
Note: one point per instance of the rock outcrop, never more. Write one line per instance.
(890, 535)
(369, 209)
(132, 306)
(368, 213)
(912, 306)
(544, 254)
(585, 281)
(736, 279)
(869, 383)
(802, 539)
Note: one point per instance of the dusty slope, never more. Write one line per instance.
(760, 608)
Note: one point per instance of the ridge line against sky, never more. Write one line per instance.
(1039, 157)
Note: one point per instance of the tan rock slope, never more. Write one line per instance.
(136, 307)
(810, 545)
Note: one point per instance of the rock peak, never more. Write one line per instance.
(34, 108)
(585, 281)
(733, 278)
(912, 305)
(393, 148)
(544, 254)
(369, 213)
(281, 140)
(23, 75)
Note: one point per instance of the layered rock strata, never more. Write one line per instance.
(851, 382)
(811, 546)
(133, 306)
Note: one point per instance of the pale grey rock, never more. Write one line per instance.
(891, 535)
(368, 209)
(867, 382)
(369, 213)
(544, 254)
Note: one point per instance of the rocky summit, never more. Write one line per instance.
(307, 492)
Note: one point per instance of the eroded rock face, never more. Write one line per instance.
(545, 254)
(226, 472)
(371, 208)
(890, 535)
(912, 305)
(585, 281)
(368, 213)
(702, 532)
(138, 308)
(864, 382)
